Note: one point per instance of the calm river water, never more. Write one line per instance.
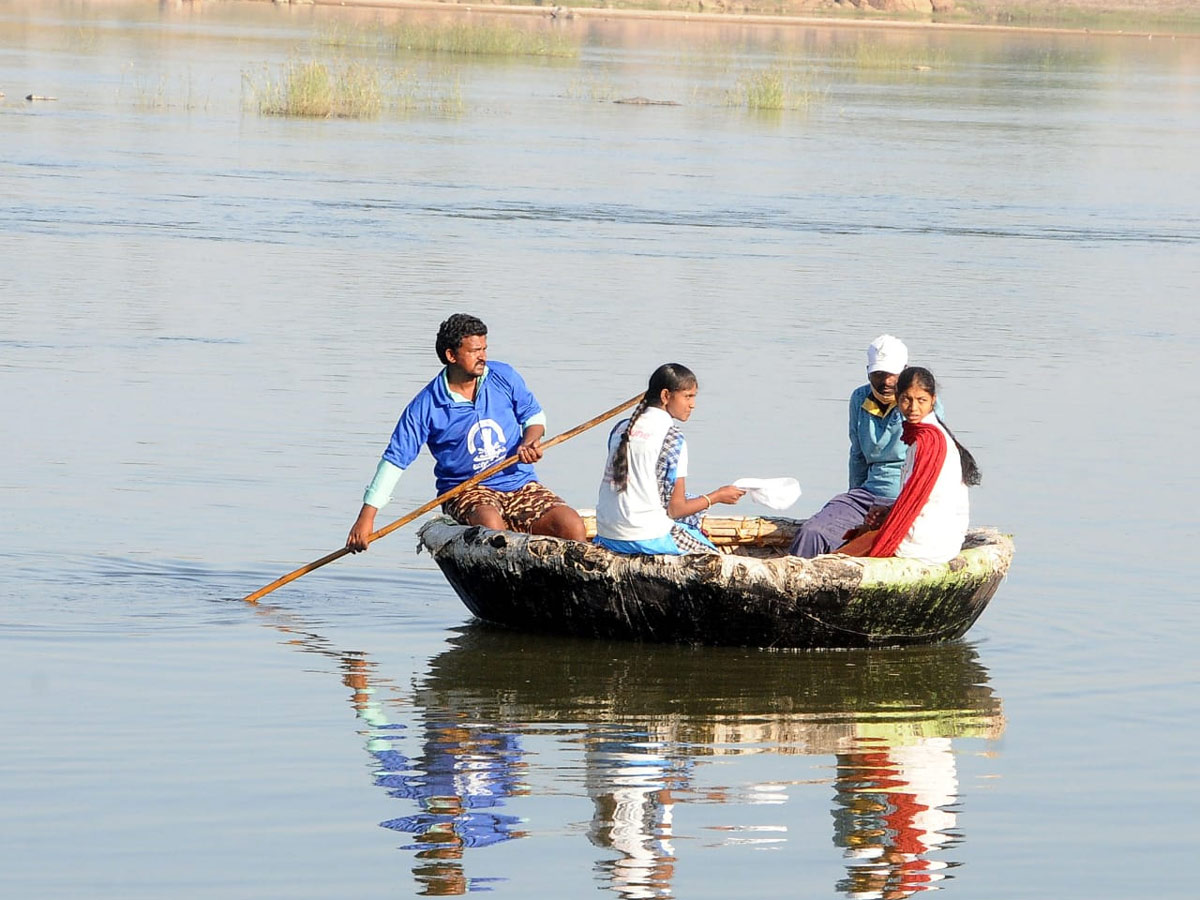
(210, 318)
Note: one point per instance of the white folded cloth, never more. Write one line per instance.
(776, 493)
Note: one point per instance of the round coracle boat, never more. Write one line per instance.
(751, 594)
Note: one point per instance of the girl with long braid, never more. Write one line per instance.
(643, 506)
(928, 521)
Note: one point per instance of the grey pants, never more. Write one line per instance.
(825, 531)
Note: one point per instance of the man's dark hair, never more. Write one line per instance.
(454, 331)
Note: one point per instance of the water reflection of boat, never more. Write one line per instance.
(751, 595)
(648, 715)
(461, 747)
(716, 699)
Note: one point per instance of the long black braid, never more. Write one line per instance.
(671, 376)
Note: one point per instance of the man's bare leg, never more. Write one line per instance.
(488, 517)
(561, 521)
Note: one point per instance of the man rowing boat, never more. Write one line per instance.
(471, 416)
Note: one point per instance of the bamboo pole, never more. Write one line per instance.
(437, 501)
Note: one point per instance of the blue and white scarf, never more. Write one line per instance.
(665, 469)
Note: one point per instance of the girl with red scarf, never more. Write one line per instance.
(929, 519)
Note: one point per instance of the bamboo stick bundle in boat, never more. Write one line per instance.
(753, 531)
(729, 531)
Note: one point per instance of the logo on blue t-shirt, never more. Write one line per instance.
(487, 442)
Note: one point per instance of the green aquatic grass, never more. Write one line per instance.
(774, 88)
(878, 55)
(160, 92)
(166, 93)
(328, 90)
(480, 39)
(336, 33)
(439, 98)
(467, 38)
(323, 90)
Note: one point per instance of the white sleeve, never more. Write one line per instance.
(538, 418)
(379, 491)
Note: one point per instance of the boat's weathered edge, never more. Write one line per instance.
(832, 601)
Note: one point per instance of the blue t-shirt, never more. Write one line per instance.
(466, 438)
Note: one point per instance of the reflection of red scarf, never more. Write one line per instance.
(929, 445)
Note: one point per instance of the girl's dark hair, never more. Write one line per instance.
(925, 380)
(671, 376)
(454, 331)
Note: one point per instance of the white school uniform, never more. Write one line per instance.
(637, 513)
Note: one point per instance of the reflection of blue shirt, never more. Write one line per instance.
(466, 438)
(475, 774)
(473, 829)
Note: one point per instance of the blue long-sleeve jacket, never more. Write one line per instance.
(876, 451)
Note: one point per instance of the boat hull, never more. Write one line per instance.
(547, 584)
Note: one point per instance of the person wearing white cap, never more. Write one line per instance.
(876, 454)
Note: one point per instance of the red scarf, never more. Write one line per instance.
(929, 445)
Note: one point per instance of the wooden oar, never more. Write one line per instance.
(437, 501)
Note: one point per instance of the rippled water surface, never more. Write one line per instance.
(210, 318)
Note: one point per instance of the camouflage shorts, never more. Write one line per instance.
(520, 508)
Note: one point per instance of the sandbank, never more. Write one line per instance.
(1159, 16)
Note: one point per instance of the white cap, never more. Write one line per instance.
(887, 354)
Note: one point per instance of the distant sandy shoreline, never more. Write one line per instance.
(1152, 9)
